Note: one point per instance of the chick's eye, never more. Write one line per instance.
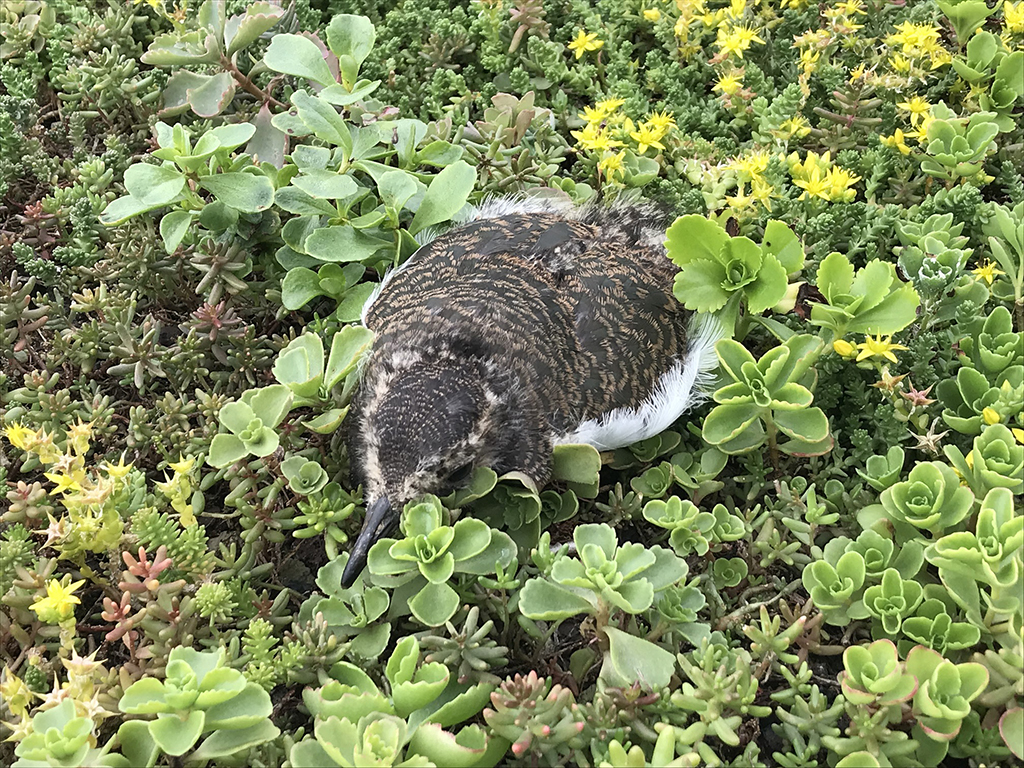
(461, 474)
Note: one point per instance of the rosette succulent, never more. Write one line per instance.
(432, 551)
(989, 554)
(893, 600)
(931, 499)
(250, 423)
(945, 691)
(716, 268)
(871, 301)
(836, 589)
(956, 147)
(773, 392)
(873, 674)
(996, 461)
(200, 694)
(690, 528)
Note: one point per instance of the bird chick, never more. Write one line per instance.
(529, 325)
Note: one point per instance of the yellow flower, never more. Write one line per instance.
(896, 141)
(18, 435)
(118, 471)
(729, 84)
(899, 63)
(878, 347)
(843, 348)
(991, 416)
(1018, 434)
(15, 693)
(795, 127)
(595, 139)
(987, 272)
(652, 14)
(64, 482)
(79, 436)
(609, 106)
(814, 185)
(857, 72)
(917, 106)
(736, 39)
(593, 115)
(915, 39)
(1013, 17)
(762, 191)
(611, 164)
(840, 180)
(752, 165)
(584, 42)
(182, 466)
(647, 136)
(662, 121)
(59, 603)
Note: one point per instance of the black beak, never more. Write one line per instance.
(380, 520)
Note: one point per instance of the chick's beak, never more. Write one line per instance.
(380, 520)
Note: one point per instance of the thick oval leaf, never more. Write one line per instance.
(173, 227)
(445, 196)
(176, 736)
(342, 243)
(243, 29)
(245, 192)
(632, 659)
(212, 96)
(434, 604)
(154, 185)
(542, 600)
(297, 55)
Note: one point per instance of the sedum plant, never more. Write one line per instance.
(996, 460)
(200, 695)
(955, 147)
(431, 552)
(768, 397)
(931, 499)
(945, 691)
(873, 674)
(609, 577)
(986, 561)
(423, 701)
(721, 274)
(540, 720)
(869, 300)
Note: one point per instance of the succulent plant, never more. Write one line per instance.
(469, 651)
(931, 499)
(540, 719)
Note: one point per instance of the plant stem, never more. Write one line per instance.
(248, 85)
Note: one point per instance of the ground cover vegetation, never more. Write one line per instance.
(820, 566)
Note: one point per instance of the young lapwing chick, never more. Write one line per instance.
(526, 326)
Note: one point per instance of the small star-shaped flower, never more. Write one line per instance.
(930, 440)
(918, 398)
(888, 382)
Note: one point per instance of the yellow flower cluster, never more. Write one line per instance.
(735, 39)
(817, 177)
(1013, 21)
(93, 523)
(607, 128)
(920, 117)
(58, 607)
(178, 489)
(750, 168)
(918, 46)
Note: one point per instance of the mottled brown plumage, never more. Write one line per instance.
(500, 338)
